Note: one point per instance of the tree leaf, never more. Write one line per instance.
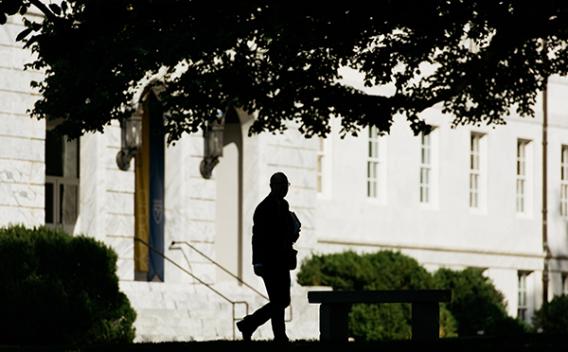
(23, 10)
(23, 34)
(11, 7)
(56, 9)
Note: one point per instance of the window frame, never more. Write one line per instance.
(522, 295)
(564, 181)
(374, 160)
(376, 151)
(426, 168)
(61, 182)
(523, 180)
(323, 168)
(477, 172)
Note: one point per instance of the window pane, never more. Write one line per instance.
(61, 156)
(53, 154)
(68, 206)
(49, 211)
(70, 158)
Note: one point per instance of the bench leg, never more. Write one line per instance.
(333, 322)
(425, 321)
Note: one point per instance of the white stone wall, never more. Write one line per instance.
(557, 225)
(21, 138)
(449, 234)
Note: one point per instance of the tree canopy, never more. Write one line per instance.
(481, 60)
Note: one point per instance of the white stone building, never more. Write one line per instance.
(464, 197)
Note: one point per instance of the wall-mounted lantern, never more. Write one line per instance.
(130, 138)
(213, 144)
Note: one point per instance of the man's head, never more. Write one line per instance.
(279, 184)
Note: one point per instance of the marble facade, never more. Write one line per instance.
(447, 234)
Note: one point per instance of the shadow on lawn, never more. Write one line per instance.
(524, 343)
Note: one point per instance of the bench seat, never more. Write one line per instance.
(335, 307)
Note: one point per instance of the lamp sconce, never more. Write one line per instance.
(130, 138)
(213, 144)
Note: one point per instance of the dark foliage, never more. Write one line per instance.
(59, 289)
(552, 317)
(375, 271)
(478, 59)
(477, 305)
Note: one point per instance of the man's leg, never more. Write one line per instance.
(278, 288)
(251, 322)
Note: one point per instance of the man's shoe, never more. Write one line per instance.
(247, 333)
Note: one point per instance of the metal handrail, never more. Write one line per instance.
(228, 272)
(220, 267)
(233, 303)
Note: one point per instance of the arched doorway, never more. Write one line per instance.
(229, 212)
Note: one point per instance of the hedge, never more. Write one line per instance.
(60, 289)
(476, 304)
(552, 317)
(375, 271)
(477, 307)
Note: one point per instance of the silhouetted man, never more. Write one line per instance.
(273, 234)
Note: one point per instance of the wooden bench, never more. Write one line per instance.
(335, 306)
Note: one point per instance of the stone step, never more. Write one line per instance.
(182, 312)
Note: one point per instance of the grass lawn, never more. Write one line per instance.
(525, 343)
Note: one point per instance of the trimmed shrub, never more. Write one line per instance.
(385, 270)
(477, 306)
(60, 289)
(552, 317)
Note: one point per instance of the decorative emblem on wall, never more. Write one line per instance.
(158, 210)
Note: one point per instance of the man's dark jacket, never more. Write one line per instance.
(272, 233)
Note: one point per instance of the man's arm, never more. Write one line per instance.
(258, 236)
(296, 226)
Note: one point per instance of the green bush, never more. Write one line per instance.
(552, 317)
(476, 304)
(375, 271)
(60, 289)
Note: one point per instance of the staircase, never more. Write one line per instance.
(198, 311)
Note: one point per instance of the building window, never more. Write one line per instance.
(373, 163)
(475, 170)
(564, 181)
(61, 181)
(323, 167)
(425, 168)
(522, 180)
(319, 165)
(565, 284)
(522, 295)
